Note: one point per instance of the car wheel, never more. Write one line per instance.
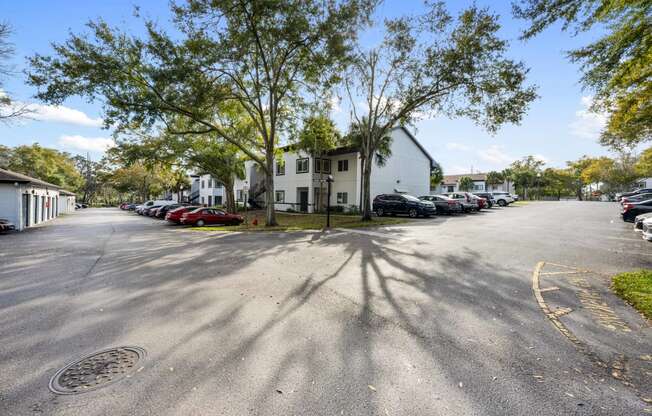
(502, 202)
(200, 223)
(413, 213)
(380, 212)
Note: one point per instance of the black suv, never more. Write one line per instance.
(489, 197)
(402, 204)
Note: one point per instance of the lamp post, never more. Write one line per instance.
(539, 185)
(329, 181)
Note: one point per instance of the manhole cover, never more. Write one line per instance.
(96, 370)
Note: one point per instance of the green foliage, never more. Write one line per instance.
(42, 163)
(436, 175)
(558, 182)
(434, 63)
(526, 174)
(319, 135)
(617, 66)
(495, 178)
(465, 183)
(644, 164)
(636, 288)
(261, 56)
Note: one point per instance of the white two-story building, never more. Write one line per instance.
(299, 178)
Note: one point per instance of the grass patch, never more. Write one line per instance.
(295, 222)
(636, 288)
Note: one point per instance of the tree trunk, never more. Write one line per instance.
(230, 196)
(270, 219)
(366, 189)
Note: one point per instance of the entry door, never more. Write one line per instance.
(35, 209)
(303, 200)
(26, 200)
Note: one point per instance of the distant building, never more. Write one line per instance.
(450, 183)
(210, 191)
(27, 201)
(644, 183)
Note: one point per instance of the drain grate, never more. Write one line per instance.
(96, 370)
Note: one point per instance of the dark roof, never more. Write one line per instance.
(453, 179)
(64, 192)
(9, 176)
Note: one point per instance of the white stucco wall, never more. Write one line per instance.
(408, 168)
(11, 204)
(214, 190)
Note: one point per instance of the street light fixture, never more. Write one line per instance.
(329, 181)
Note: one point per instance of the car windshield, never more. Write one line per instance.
(411, 198)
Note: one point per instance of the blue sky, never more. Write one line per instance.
(557, 127)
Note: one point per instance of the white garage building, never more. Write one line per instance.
(27, 201)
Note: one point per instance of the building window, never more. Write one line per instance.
(210, 198)
(210, 182)
(478, 187)
(203, 184)
(280, 168)
(322, 165)
(202, 200)
(342, 198)
(451, 188)
(238, 195)
(303, 165)
(218, 200)
(343, 165)
(280, 196)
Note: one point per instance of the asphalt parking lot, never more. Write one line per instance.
(443, 316)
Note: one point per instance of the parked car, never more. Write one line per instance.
(153, 212)
(203, 216)
(638, 221)
(443, 204)
(159, 202)
(491, 201)
(634, 192)
(145, 211)
(647, 229)
(162, 212)
(174, 215)
(632, 209)
(636, 198)
(503, 198)
(482, 203)
(468, 204)
(384, 204)
(5, 225)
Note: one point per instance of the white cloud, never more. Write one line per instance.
(541, 157)
(457, 146)
(55, 113)
(587, 124)
(62, 114)
(89, 144)
(495, 154)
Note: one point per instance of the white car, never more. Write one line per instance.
(647, 229)
(503, 198)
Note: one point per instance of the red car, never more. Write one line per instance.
(174, 215)
(202, 216)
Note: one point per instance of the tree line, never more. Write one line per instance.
(240, 79)
(584, 178)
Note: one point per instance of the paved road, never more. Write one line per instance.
(433, 318)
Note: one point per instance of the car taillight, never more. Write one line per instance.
(627, 206)
(451, 202)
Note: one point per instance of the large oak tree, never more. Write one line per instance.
(260, 54)
(433, 64)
